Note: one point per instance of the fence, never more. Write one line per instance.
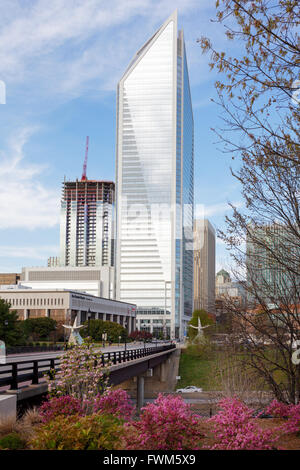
(15, 373)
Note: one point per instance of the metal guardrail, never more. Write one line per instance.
(33, 349)
(14, 373)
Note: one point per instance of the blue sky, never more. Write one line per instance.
(61, 61)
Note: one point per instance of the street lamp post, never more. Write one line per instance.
(125, 326)
(89, 319)
(104, 336)
(165, 312)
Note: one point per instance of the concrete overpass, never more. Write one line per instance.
(132, 369)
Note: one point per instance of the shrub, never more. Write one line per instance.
(115, 402)
(166, 424)
(38, 328)
(12, 442)
(27, 425)
(289, 412)
(81, 374)
(96, 432)
(234, 428)
(10, 327)
(140, 336)
(60, 406)
(98, 327)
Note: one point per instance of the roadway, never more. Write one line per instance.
(49, 355)
(28, 358)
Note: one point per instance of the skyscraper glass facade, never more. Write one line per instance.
(154, 258)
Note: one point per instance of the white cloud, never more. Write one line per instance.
(24, 201)
(215, 209)
(64, 45)
(32, 252)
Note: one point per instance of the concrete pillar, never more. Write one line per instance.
(118, 319)
(25, 314)
(129, 324)
(47, 312)
(140, 392)
(104, 317)
(8, 406)
(163, 372)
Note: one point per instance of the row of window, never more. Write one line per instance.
(35, 302)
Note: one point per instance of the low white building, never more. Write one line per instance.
(68, 305)
(98, 281)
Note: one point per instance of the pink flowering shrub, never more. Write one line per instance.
(62, 406)
(289, 412)
(235, 429)
(166, 424)
(115, 402)
(81, 374)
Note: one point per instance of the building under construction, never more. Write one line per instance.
(86, 224)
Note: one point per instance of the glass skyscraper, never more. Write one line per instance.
(154, 184)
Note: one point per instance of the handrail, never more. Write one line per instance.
(37, 368)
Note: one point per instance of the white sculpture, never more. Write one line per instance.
(200, 329)
(75, 337)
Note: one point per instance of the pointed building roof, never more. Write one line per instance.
(222, 272)
(146, 45)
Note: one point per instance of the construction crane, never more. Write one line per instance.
(84, 178)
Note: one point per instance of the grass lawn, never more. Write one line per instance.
(196, 371)
(203, 369)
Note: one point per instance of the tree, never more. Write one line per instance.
(38, 328)
(259, 90)
(140, 335)
(98, 327)
(205, 318)
(257, 95)
(10, 331)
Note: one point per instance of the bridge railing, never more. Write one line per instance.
(13, 374)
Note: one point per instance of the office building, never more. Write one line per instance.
(225, 287)
(91, 280)
(204, 265)
(154, 178)
(64, 305)
(273, 264)
(9, 278)
(53, 262)
(86, 223)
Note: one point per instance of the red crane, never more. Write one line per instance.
(84, 178)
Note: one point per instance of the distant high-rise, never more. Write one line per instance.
(204, 265)
(86, 224)
(155, 194)
(273, 264)
(225, 287)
